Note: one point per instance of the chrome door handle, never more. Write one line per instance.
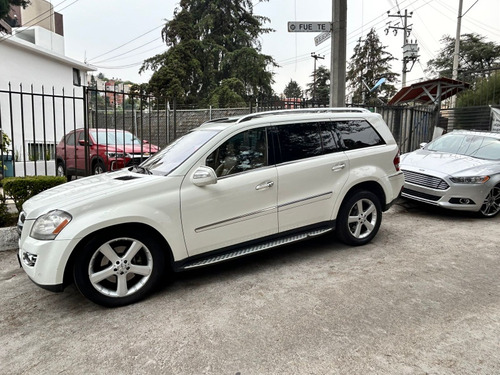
(338, 167)
(264, 185)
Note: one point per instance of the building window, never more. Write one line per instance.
(77, 78)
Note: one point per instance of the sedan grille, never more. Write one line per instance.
(425, 180)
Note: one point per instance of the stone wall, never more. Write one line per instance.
(158, 127)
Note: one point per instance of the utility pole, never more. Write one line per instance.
(456, 53)
(410, 50)
(338, 53)
(315, 57)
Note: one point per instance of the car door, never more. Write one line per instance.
(311, 173)
(69, 151)
(241, 206)
(81, 145)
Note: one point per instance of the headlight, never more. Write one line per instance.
(48, 226)
(117, 155)
(470, 179)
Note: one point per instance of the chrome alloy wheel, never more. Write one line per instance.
(120, 267)
(491, 204)
(362, 218)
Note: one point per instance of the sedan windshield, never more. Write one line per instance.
(477, 146)
(165, 161)
(111, 137)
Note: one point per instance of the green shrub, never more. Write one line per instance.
(20, 189)
(6, 218)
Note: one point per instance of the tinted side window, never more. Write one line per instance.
(329, 138)
(299, 141)
(358, 134)
(70, 139)
(242, 152)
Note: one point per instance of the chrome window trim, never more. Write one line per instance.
(236, 219)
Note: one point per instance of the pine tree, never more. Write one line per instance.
(369, 63)
(292, 90)
(211, 41)
(319, 88)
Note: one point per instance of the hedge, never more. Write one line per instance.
(20, 189)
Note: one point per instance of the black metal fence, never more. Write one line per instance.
(36, 120)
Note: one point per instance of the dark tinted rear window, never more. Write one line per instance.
(358, 134)
(299, 141)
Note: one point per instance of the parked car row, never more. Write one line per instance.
(236, 186)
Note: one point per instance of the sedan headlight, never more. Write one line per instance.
(49, 225)
(470, 179)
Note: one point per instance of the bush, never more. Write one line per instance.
(6, 218)
(20, 189)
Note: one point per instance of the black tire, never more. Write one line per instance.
(98, 168)
(359, 218)
(132, 261)
(491, 204)
(60, 170)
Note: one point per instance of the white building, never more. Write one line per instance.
(41, 94)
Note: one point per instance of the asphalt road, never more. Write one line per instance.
(422, 298)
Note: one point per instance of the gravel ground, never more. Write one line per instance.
(422, 298)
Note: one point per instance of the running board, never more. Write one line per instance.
(253, 249)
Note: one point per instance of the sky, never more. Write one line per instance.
(116, 36)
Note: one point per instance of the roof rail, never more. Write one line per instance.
(297, 111)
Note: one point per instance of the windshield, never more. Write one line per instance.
(478, 146)
(177, 152)
(112, 137)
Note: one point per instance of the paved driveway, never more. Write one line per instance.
(422, 298)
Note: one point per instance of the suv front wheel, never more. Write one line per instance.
(119, 268)
(359, 218)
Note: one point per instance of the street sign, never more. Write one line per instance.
(321, 37)
(308, 26)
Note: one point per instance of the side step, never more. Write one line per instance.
(253, 249)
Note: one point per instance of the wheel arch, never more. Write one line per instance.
(68, 270)
(372, 186)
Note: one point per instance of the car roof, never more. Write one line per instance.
(284, 115)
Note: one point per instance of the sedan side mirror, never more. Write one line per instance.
(204, 176)
(423, 144)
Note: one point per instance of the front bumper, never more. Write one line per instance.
(45, 261)
(455, 197)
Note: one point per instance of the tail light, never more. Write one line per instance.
(396, 161)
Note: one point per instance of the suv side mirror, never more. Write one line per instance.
(423, 144)
(204, 176)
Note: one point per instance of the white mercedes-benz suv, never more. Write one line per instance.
(229, 188)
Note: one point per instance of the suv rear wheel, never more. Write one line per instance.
(359, 218)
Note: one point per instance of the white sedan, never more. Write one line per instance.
(458, 171)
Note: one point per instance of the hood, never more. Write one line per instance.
(83, 191)
(445, 163)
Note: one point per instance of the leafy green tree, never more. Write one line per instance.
(5, 6)
(292, 90)
(370, 62)
(210, 41)
(485, 91)
(229, 94)
(319, 88)
(476, 56)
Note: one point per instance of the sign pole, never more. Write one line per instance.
(338, 53)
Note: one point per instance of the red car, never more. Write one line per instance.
(104, 149)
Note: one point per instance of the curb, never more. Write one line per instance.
(9, 238)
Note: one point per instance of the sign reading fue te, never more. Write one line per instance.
(306, 26)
